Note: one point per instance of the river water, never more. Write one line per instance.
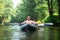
(15, 33)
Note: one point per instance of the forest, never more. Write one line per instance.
(47, 11)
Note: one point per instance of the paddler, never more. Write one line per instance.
(29, 21)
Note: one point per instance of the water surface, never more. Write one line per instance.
(15, 33)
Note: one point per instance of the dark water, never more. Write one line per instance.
(15, 33)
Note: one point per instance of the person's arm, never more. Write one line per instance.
(34, 22)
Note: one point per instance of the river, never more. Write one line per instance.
(15, 33)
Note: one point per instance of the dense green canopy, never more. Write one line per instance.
(43, 10)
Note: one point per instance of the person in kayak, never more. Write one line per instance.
(29, 21)
(28, 25)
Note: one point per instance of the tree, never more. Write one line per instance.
(41, 9)
(59, 8)
(6, 10)
(50, 7)
(24, 9)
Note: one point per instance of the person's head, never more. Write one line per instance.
(28, 17)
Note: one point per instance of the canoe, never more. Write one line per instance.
(28, 27)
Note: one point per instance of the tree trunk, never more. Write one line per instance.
(3, 21)
(50, 7)
(59, 8)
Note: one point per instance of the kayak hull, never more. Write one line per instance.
(28, 28)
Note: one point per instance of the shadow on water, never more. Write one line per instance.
(15, 33)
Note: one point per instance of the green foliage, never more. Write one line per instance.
(6, 10)
(37, 9)
(41, 9)
(24, 9)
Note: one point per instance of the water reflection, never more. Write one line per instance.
(51, 33)
(15, 33)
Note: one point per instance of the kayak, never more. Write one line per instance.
(33, 27)
(28, 27)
